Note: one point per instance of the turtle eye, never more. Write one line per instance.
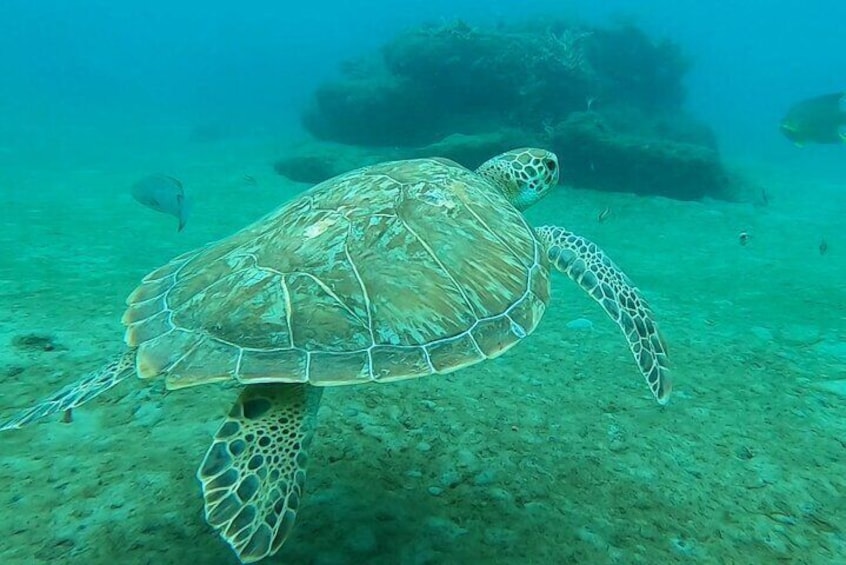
(550, 164)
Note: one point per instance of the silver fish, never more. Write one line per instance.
(163, 193)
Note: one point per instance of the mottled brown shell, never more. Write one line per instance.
(393, 271)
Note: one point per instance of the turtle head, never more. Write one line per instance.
(523, 175)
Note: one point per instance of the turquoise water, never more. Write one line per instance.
(552, 453)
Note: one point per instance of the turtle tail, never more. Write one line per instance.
(77, 393)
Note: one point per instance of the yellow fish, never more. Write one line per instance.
(816, 120)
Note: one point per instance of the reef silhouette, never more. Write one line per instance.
(608, 101)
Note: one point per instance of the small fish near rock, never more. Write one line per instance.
(164, 194)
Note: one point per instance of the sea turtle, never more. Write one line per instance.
(392, 271)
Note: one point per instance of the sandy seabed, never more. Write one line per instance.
(553, 453)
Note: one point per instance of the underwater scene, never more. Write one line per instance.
(438, 282)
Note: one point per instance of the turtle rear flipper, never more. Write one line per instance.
(254, 473)
(78, 393)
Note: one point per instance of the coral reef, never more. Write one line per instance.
(430, 82)
(609, 101)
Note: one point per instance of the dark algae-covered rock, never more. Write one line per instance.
(433, 81)
(315, 161)
(598, 157)
(610, 101)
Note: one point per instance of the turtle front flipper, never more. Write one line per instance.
(78, 393)
(254, 473)
(586, 264)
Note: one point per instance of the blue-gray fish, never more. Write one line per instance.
(163, 193)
